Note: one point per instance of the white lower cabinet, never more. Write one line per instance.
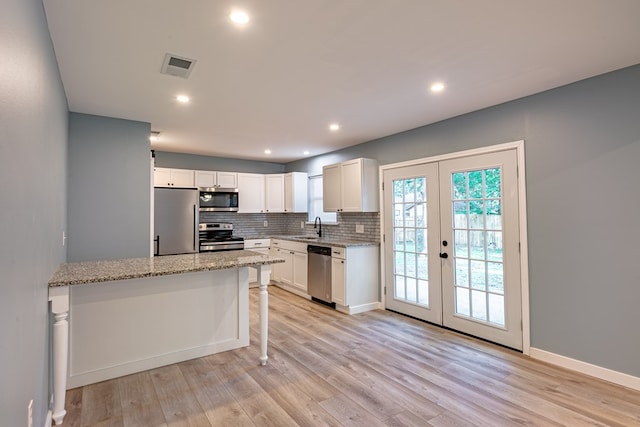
(355, 274)
(355, 278)
(338, 294)
(287, 268)
(300, 270)
(276, 269)
(261, 246)
(292, 274)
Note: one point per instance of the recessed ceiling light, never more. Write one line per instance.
(334, 127)
(154, 136)
(267, 151)
(437, 87)
(239, 17)
(183, 99)
(306, 153)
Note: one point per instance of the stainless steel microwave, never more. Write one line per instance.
(218, 199)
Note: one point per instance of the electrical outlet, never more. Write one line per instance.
(359, 228)
(30, 414)
(301, 224)
(266, 223)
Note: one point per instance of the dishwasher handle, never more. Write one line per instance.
(320, 250)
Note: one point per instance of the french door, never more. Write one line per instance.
(452, 244)
(412, 238)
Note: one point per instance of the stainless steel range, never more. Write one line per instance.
(218, 236)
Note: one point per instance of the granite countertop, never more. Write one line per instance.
(313, 240)
(77, 273)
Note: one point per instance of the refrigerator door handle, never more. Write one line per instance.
(195, 227)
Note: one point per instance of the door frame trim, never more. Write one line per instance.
(522, 218)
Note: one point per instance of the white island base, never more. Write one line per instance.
(121, 327)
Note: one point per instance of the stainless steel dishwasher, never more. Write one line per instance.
(319, 274)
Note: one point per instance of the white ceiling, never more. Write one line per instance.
(299, 65)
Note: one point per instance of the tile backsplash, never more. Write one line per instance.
(248, 225)
(345, 229)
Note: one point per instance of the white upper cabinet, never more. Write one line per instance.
(212, 179)
(164, 177)
(351, 186)
(227, 179)
(274, 193)
(251, 191)
(285, 192)
(295, 192)
(205, 179)
(257, 193)
(332, 188)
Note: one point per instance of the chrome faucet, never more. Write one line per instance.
(315, 225)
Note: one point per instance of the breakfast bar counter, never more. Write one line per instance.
(117, 317)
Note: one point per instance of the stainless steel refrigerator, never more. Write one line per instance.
(175, 221)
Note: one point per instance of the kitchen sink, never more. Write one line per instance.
(306, 237)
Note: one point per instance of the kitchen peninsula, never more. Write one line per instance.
(117, 317)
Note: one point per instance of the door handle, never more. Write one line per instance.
(444, 255)
(195, 226)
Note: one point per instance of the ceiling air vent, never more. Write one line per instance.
(177, 66)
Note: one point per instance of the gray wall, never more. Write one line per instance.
(193, 161)
(109, 188)
(33, 138)
(582, 152)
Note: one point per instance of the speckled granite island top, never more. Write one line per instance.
(77, 273)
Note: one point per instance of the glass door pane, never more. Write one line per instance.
(477, 241)
(481, 292)
(410, 246)
(412, 263)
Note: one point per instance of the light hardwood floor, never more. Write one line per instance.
(371, 369)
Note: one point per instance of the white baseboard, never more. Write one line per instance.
(606, 374)
(49, 420)
(355, 309)
(102, 374)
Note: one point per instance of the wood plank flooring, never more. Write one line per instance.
(372, 369)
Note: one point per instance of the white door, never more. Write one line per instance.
(412, 230)
(473, 233)
(481, 275)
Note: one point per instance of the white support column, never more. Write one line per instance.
(264, 273)
(59, 297)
